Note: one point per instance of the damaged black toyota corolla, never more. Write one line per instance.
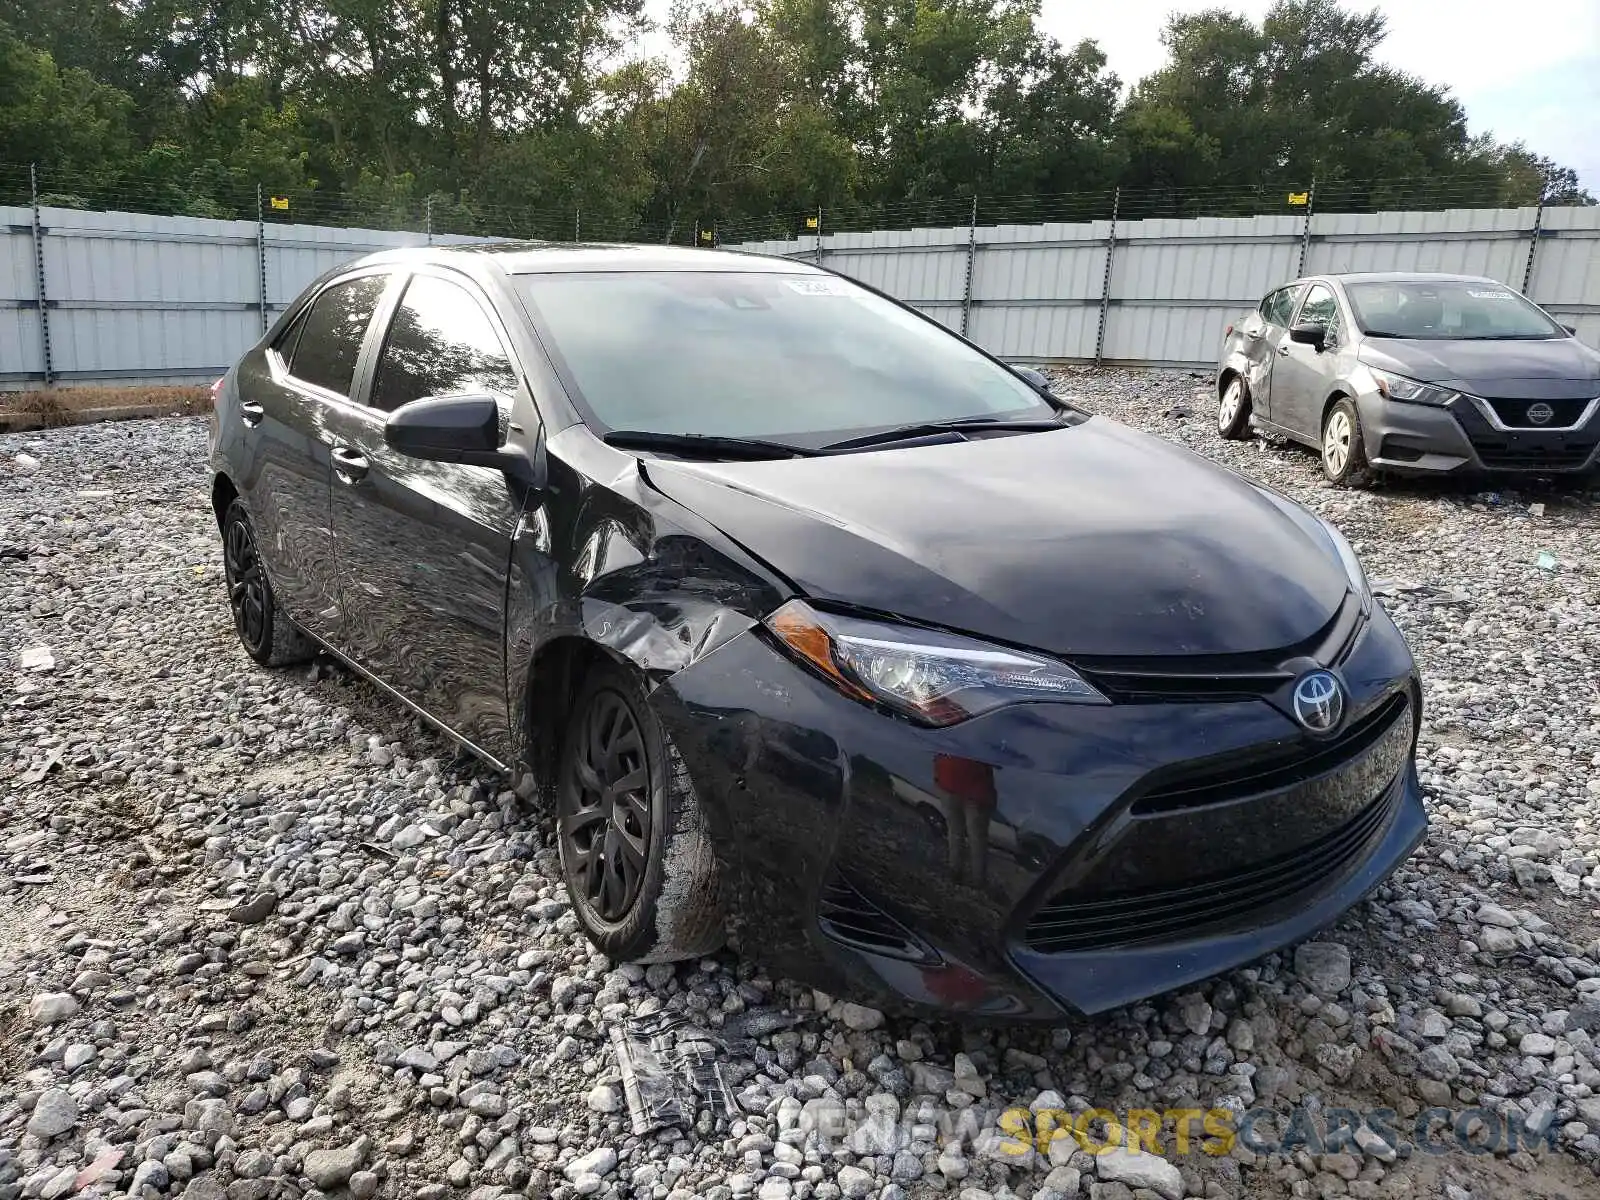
(826, 631)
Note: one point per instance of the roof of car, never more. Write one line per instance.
(1402, 277)
(527, 258)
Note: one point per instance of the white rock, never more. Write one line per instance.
(1139, 1170)
(854, 1183)
(858, 1017)
(54, 1113)
(600, 1161)
(51, 1008)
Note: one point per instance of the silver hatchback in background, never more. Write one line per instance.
(1413, 373)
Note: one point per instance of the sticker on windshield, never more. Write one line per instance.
(819, 287)
(1480, 295)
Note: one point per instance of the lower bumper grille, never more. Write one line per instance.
(1100, 922)
(1555, 458)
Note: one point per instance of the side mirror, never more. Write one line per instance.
(452, 429)
(1309, 333)
(1572, 330)
(1038, 378)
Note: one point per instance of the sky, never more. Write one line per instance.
(1525, 71)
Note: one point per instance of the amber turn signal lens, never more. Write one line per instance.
(797, 629)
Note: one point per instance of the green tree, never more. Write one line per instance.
(61, 118)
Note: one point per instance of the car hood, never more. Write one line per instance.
(1548, 369)
(1093, 539)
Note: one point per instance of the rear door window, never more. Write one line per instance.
(332, 332)
(440, 343)
(1278, 305)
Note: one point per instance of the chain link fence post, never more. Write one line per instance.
(427, 217)
(1305, 233)
(261, 260)
(577, 223)
(972, 253)
(38, 267)
(1533, 244)
(1105, 283)
(819, 235)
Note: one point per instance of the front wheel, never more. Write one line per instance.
(1233, 410)
(1344, 452)
(635, 852)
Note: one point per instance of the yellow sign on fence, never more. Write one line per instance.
(1299, 199)
(811, 222)
(281, 203)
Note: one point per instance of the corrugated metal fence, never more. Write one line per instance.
(114, 297)
(126, 298)
(1159, 292)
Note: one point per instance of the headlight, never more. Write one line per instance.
(932, 677)
(1352, 566)
(1398, 387)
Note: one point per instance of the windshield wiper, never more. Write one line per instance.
(919, 429)
(704, 444)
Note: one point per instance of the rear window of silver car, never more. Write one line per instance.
(1470, 310)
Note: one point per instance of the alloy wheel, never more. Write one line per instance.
(608, 824)
(1336, 443)
(247, 587)
(1232, 397)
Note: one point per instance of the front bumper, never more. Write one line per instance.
(1467, 437)
(876, 859)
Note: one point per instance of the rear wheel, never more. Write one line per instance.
(635, 853)
(1344, 453)
(267, 635)
(1233, 409)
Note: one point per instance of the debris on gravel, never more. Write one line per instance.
(263, 935)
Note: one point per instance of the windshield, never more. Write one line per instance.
(804, 359)
(1429, 309)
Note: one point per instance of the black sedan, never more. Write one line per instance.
(821, 629)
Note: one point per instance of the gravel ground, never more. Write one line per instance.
(263, 935)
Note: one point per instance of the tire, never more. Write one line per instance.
(268, 636)
(1233, 410)
(1344, 451)
(662, 901)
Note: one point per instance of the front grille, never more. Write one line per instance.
(848, 917)
(1185, 679)
(1525, 458)
(1207, 906)
(1514, 413)
(1234, 778)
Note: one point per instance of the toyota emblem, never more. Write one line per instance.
(1319, 702)
(1540, 413)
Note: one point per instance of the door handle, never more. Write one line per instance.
(1284, 350)
(349, 465)
(251, 413)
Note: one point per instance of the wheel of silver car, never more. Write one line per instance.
(267, 635)
(635, 853)
(1233, 409)
(1344, 454)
